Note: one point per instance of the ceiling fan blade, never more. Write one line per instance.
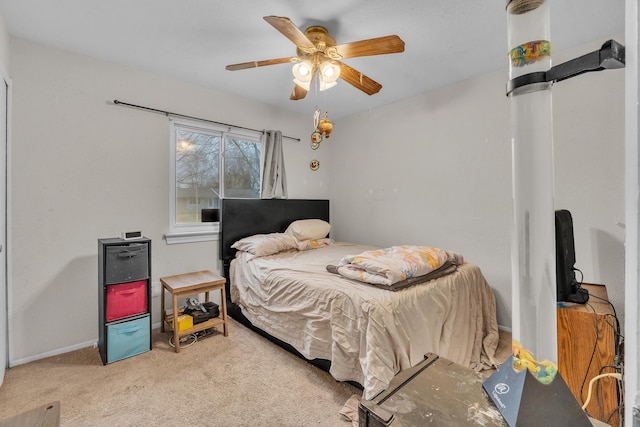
(369, 47)
(255, 64)
(359, 80)
(298, 93)
(290, 31)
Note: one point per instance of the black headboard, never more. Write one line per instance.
(245, 217)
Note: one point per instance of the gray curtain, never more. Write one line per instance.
(274, 178)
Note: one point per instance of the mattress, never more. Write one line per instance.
(367, 333)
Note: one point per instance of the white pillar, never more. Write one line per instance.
(632, 219)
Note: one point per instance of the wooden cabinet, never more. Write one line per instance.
(587, 348)
(124, 298)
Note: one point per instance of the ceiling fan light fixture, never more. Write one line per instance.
(304, 85)
(327, 85)
(318, 53)
(302, 74)
(302, 71)
(329, 72)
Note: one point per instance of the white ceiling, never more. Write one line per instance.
(446, 41)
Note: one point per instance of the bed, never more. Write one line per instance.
(357, 332)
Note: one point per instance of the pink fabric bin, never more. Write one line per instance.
(126, 299)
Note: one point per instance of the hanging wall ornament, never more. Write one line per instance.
(316, 139)
(316, 136)
(314, 165)
(325, 126)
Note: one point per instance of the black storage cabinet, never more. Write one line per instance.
(124, 310)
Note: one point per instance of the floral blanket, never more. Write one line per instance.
(396, 263)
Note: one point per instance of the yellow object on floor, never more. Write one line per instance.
(185, 322)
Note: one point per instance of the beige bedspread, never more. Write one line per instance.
(368, 334)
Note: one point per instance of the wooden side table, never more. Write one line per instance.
(586, 348)
(182, 285)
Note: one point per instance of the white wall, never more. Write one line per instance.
(632, 215)
(4, 66)
(4, 44)
(589, 148)
(84, 169)
(436, 170)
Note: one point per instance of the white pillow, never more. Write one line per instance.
(308, 229)
(266, 244)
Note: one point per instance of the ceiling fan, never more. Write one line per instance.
(318, 54)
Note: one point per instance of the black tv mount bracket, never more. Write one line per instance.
(610, 56)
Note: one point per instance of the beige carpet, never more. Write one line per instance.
(239, 380)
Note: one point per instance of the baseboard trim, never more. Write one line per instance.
(56, 352)
(94, 344)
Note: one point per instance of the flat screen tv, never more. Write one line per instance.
(568, 288)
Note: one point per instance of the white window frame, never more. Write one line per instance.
(188, 233)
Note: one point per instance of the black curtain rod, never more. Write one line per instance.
(168, 113)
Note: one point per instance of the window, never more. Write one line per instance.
(209, 162)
